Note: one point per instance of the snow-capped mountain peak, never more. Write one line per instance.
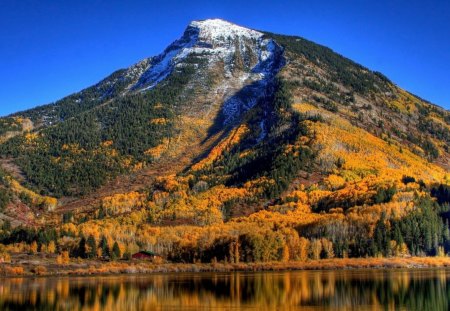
(217, 30)
(215, 37)
(246, 56)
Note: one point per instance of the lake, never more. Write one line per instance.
(427, 289)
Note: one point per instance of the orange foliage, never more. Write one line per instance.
(361, 154)
(46, 202)
(233, 138)
(159, 121)
(157, 151)
(123, 203)
(63, 258)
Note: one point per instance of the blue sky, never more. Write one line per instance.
(49, 49)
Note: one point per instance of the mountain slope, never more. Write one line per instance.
(250, 135)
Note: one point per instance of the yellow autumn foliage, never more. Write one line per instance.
(159, 121)
(354, 154)
(233, 138)
(46, 202)
(157, 151)
(123, 203)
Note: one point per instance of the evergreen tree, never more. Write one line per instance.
(104, 247)
(81, 252)
(115, 254)
(382, 236)
(92, 247)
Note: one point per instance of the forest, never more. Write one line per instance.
(261, 238)
(81, 154)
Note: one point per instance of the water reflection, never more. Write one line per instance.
(305, 290)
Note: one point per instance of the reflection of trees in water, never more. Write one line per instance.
(413, 290)
(404, 289)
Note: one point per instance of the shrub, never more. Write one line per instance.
(63, 258)
(14, 271)
(39, 270)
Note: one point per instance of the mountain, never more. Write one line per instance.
(235, 144)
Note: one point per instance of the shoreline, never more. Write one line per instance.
(94, 267)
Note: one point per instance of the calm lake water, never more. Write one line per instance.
(300, 290)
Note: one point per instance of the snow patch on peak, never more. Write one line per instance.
(162, 65)
(213, 22)
(219, 30)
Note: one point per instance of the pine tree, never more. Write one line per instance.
(81, 252)
(92, 252)
(115, 251)
(104, 247)
(382, 236)
(446, 234)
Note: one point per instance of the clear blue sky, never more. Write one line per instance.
(49, 49)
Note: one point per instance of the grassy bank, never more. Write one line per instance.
(26, 265)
